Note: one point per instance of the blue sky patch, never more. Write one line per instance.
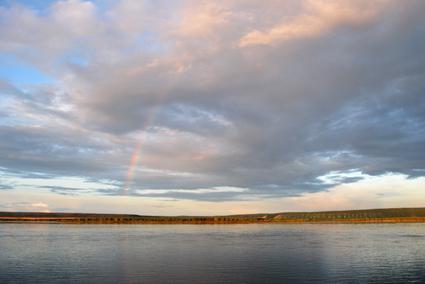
(19, 73)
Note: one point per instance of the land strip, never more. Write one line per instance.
(390, 215)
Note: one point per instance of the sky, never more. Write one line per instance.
(211, 107)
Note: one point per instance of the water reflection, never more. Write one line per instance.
(41, 253)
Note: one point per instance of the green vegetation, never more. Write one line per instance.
(394, 215)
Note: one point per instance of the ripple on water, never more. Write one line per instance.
(389, 253)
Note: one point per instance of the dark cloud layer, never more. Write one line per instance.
(230, 94)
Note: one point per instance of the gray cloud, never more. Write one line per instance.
(271, 115)
(5, 186)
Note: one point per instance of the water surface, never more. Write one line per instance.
(256, 253)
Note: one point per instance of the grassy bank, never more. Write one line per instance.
(393, 215)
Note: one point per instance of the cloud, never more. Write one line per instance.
(4, 186)
(25, 206)
(317, 18)
(270, 97)
(385, 191)
(203, 21)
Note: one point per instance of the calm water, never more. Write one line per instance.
(44, 253)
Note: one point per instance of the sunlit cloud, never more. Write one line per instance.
(316, 17)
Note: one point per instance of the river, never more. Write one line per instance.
(255, 253)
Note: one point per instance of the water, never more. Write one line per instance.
(46, 253)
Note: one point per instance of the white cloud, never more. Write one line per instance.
(25, 206)
(219, 189)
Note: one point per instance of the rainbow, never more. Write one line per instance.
(136, 155)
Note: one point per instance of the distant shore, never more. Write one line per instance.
(390, 215)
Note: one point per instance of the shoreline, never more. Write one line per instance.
(375, 216)
(405, 221)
